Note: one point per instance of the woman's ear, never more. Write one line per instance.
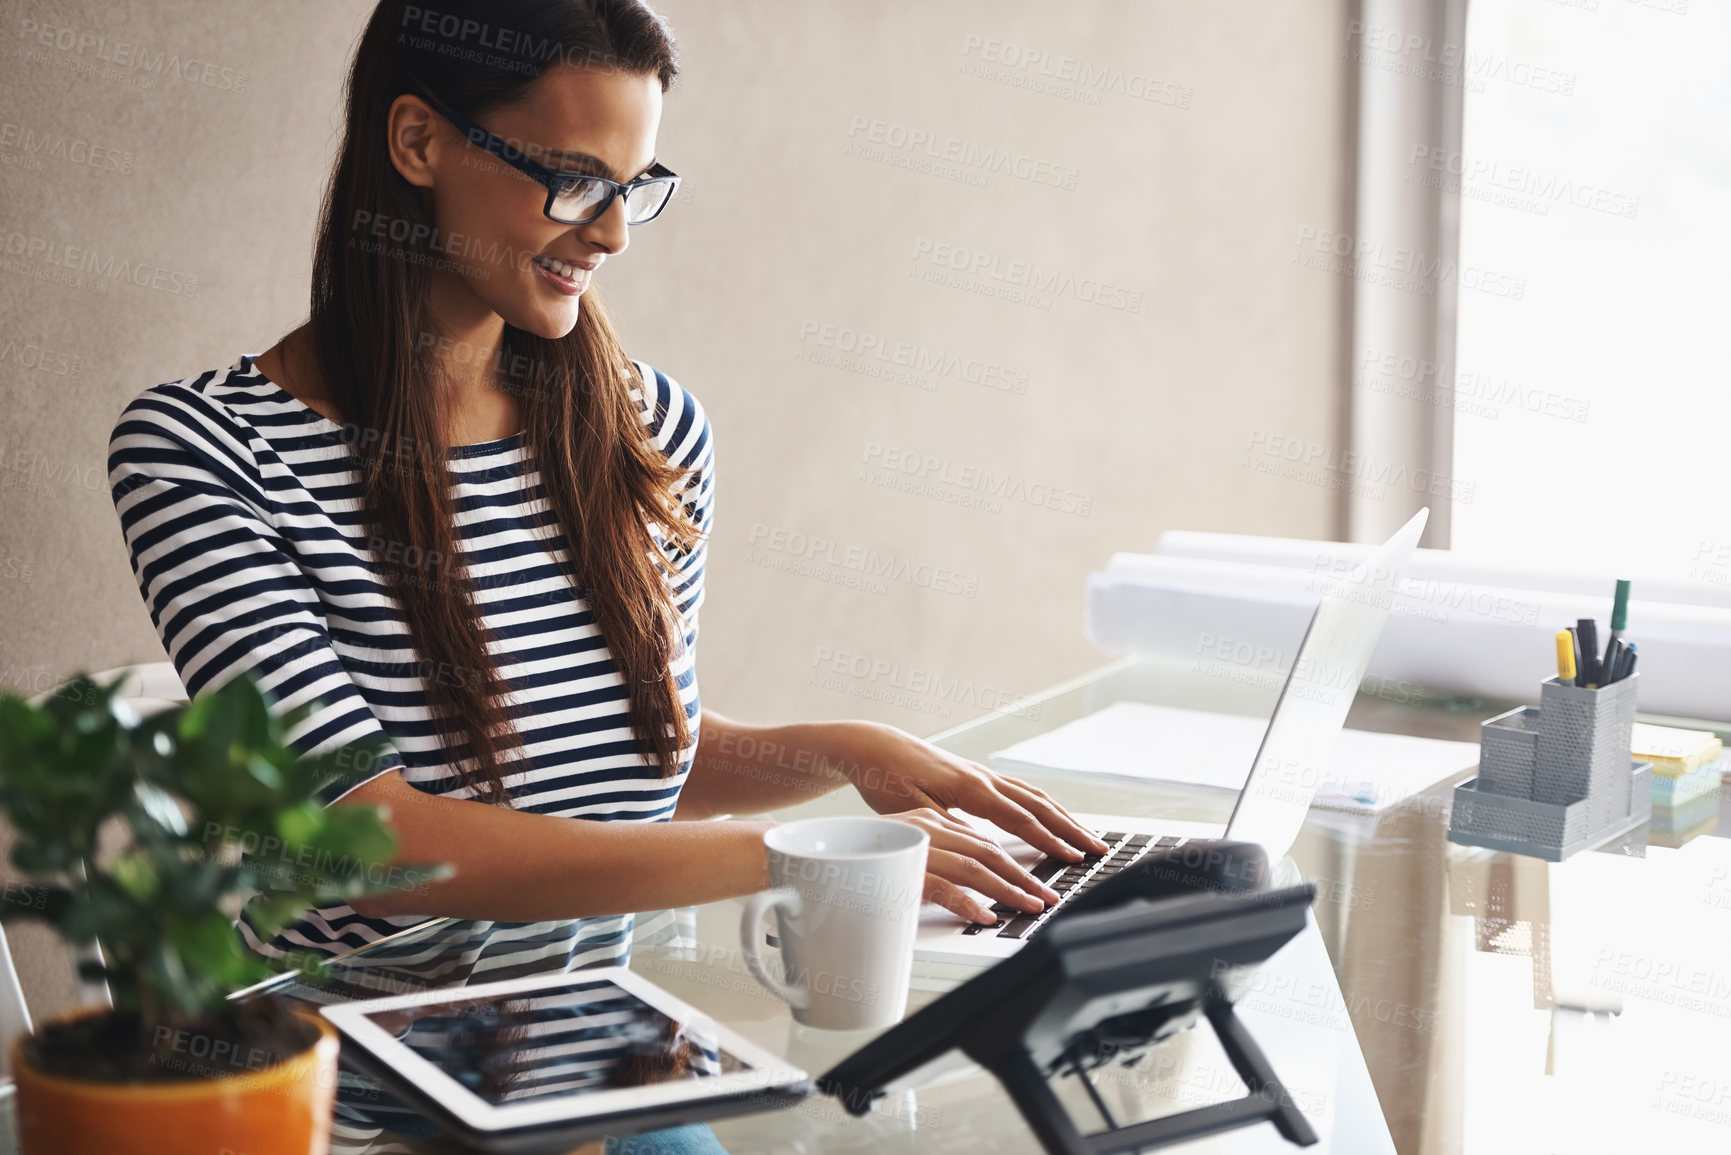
(414, 143)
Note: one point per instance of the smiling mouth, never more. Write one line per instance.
(567, 276)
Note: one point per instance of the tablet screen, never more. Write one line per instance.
(564, 1041)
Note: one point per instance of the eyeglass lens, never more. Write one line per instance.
(577, 200)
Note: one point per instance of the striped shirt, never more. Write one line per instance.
(241, 510)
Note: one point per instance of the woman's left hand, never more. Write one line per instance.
(895, 771)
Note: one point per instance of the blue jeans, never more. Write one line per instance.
(691, 1139)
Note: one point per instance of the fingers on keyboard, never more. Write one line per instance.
(1071, 878)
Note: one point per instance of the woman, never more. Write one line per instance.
(450, 508)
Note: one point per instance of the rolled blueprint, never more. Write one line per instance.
(1245, 618)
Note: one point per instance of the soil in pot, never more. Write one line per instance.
(120, 1047)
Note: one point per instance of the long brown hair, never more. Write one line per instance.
(371, 316)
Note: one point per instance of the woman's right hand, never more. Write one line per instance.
(961, 856)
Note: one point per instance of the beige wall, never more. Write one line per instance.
(1187, 204)
(1216, 136)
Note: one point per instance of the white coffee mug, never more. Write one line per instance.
(847, 905)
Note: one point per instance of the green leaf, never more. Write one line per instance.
(302, 824)
(209, 946)
(161, 808)
(264, 771)
(35, 858)
(135, 874)
(188, 785)
(195, 717)
(106, 910)
(269, 913)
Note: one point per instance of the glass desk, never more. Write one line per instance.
(1445, 998)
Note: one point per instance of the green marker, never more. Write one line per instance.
(1619, 617)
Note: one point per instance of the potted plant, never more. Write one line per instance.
(143, 839)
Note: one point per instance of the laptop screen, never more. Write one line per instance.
(1319, 690)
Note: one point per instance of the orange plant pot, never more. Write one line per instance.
(283, 1109)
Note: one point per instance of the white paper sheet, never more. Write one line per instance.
(1366, 772)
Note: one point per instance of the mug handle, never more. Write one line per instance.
(751, 933)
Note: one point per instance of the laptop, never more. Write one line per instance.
(1279, 784)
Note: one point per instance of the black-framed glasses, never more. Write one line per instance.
(573, 198)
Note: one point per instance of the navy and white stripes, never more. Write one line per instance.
(241, 510)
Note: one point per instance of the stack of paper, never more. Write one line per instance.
(1673, 752)
(1365, 771)
(1686, 763)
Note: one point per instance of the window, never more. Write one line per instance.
(1592, 413)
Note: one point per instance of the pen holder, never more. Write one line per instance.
(1583, 747)
(1508, 748)
(1555, 778)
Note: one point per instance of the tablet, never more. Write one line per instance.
(602, 1046)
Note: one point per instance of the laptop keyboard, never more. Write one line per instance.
(1070, 879)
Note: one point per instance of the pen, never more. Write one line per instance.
(1565, 656)
(1574, 656)
(1619, 618)
(1587, 673)
(1629, 661)
(1611, 670)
